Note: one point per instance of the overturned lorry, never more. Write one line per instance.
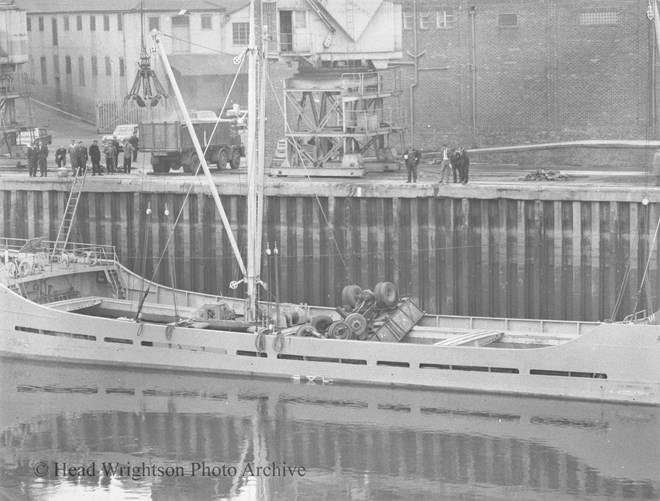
(171, 147)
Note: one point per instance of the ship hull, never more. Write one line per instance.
(608, 362)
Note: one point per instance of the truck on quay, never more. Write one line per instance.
(171, 146)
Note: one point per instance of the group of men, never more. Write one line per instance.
(79, 155)
(453, 160)
(37, 153)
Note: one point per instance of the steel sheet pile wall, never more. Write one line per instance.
(539, 253)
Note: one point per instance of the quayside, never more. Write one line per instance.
(83, 308)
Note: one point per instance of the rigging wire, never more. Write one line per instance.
(184, 203)
(318, 200)
(646, 268)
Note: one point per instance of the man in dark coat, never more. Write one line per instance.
(412, 157)
(465, 166)
(135, 142)
(60, 157)
(32, 160)
(42, 154)
(81, 153)
(95, 156)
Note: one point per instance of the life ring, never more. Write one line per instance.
(92, 258)
(64, 259)
(24, 268)
(11, 269)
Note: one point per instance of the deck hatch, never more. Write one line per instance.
(592, 375)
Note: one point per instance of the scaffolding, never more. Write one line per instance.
(339, 123)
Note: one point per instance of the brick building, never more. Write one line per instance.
(495, 72)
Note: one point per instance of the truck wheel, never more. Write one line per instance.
(191, 166)
(165, 166)
(156, 164)
(223, 159)
(235, 159)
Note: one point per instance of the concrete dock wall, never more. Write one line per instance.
(555, 252)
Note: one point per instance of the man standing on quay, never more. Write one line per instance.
(95, 156)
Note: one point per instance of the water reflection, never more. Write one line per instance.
(352, 442)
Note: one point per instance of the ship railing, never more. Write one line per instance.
(377, 119)
(21, 256)
(371, 82)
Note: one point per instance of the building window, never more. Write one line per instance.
(444, 19)
(81, 71)
(79, 23)
(41, 23)
(604, 18)
(240, 33)
(29, 24)
(408, 20)
(66, 23)
(120, 23)
(108, 66)
(121, 67)
(154, 23)
(95, 66)
(67, 65)
(106, 23)
(507, 20)
(53, 23)
(44, 74)
(300, 19)
(56, 66)
(206, 22)
(426, 20)
(92, 23)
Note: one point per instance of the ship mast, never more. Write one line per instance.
(251, 159)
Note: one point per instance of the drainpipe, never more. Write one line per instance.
(416, 77)
(473, 65)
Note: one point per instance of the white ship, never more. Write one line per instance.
(77, 303)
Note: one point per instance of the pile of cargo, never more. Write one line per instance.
(378, 315)
(544, 175)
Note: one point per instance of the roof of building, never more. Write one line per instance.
(204, 64)
(63, 6)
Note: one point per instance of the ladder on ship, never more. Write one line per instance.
(115, 282)
(64, 231)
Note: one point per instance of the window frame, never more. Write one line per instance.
(505, 15)
(65, 22)
(206, 22)
(92, 22)
(108, 66)
(237, 35)
(67, 65)
(81, 71)
(408, 20)
(300, 21)
(153, 22)
(79, 23)
(106, 22)
(41, 23)
(444, 19)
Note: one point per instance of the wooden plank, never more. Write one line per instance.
(633, 253)
(331, 254)
(395, 260)
(31, 219)
(432, 265)
(536, 245)
(484, 265)
(413, 251)
(363, 258)
(577, 311)
(450, 245)
(502, 258)
(595, 261)
(522, 268)
(315, 235)
(463, 254)
(558, 262)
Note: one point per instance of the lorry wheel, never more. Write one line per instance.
(223, 159)
(235, 159)
(165, 166)
(156, 164)
(190, 166)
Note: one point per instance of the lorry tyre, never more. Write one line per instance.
(223, 159)
(235, 159)
(155, 164)
(190, 164)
